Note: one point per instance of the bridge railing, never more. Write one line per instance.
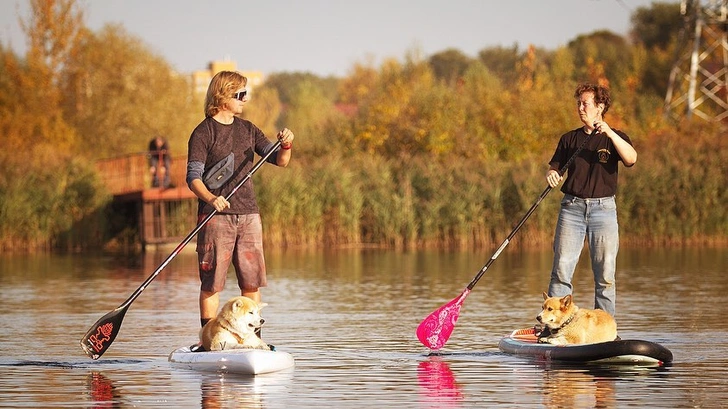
(131, 173)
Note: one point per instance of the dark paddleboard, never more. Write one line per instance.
(630, 351)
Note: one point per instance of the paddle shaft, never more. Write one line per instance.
(100, 336)
(529, 213)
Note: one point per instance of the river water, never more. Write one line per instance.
(349, 318)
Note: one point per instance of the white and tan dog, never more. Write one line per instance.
(234, 327)
(569, 324)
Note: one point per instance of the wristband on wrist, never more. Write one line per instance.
(287, 147)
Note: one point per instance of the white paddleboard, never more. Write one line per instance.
(240, 361)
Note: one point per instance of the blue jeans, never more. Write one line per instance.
(595, 220)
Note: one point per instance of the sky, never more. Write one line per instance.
(328, 37)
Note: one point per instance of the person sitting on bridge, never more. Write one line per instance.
(159, 162)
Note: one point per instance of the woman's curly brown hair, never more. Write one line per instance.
(601, 94)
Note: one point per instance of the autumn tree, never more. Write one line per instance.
(359, 85)
(501, 61)
(657, 25)
(54, 29)
(387, 123)
(120, 95)
(46, 188)
(309, 113)
(660, 30)
(264, 110)
(449, 65)
(285, 84)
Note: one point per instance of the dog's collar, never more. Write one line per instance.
(567, 322)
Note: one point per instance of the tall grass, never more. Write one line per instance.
(675, 194)
(47, 205)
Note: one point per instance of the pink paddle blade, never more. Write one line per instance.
(435, 330)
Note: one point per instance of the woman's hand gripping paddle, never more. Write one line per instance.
(100, 336)
(435, 329)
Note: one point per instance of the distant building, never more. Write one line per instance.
(201, 79)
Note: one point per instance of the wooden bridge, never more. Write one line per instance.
(164, 215)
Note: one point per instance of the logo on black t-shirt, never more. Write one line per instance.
(603, 155)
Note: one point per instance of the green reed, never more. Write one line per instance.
(675, 194)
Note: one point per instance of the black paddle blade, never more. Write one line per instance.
(100, 336)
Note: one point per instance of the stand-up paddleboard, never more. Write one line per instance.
(636, 352)
(239, 361)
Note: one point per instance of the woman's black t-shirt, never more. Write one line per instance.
(593, 173)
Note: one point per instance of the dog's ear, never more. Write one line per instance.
(238, 304)
(566, 301)
(545, 296)
(261, 305)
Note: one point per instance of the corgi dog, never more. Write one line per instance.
(234, 327)
(566, 323)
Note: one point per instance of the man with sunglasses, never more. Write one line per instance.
(234, 234)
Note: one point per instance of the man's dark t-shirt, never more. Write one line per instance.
(212, 141)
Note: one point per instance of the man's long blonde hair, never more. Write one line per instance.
(222, 87)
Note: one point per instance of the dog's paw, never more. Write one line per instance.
(556, 341)
(242, 346)
(197, 348)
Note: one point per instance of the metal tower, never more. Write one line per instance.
(699, 79)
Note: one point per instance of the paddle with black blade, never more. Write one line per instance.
(100, 336)
(435, 330)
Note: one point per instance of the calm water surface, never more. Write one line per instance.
(348, 317)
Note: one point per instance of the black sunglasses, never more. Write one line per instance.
(240, 95)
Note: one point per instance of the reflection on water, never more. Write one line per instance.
(349, 318)
(589, 386)
(102, 392)
(576, 389)
(230, 390)
(436, 379)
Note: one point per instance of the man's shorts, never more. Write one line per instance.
(231, 237)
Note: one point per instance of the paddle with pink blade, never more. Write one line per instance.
(435, 330)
